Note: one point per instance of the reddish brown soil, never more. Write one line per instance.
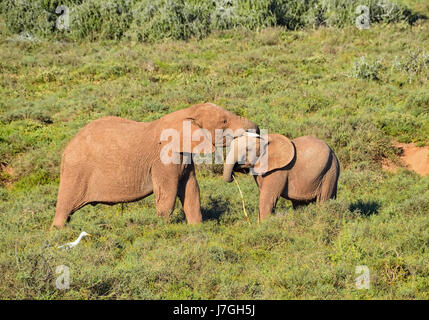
(413, 157)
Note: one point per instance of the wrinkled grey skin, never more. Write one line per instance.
(303, 170)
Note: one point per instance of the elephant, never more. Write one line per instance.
(114, 160)
(302, 170)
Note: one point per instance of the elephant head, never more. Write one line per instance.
(220, 126)
(262, 153)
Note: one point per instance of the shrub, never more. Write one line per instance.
(340, 13)
(151, 20)
(27, 16)
(413, 64)
(170, 19)
(108, 19)
(364, 69)
(405, 127)
(294, 14)
(419, 104)
(357, 141)
(224, 16)
(26, 112)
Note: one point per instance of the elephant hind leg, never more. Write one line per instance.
(330, 182)
(62, 215)
(328, 191)
(69, 200)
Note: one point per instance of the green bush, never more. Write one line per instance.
(414, 63)
(149, 20)
(364, 69)
(108, 19)
(28, 16)
(296, 14)
(170, 19)
(26, 112)
(419, 104)
(341, 13)
(357, 141)
(405, 127)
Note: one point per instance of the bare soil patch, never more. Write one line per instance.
(413, 157)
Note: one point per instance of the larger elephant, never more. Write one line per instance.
(114, 160)
(302, 170)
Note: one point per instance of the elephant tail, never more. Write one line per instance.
(330, 181)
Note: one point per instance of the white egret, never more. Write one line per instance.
(74, 243)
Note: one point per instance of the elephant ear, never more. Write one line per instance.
(278, 152)
(188, 137)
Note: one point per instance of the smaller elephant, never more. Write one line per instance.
(302, 170)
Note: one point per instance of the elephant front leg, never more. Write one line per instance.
(270, 191)
(267, 204)
(165, 191)
(189, 194)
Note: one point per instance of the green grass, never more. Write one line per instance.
(290, 82)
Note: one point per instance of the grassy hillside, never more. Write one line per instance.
(360, 90)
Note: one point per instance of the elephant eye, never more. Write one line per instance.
(225, 121)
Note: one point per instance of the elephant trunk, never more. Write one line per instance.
(230, 161)
(250, 125)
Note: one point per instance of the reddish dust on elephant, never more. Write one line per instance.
(302, 170)
(114, 160)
